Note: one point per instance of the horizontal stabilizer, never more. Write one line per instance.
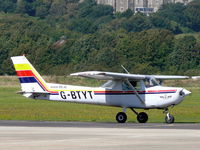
(34, 94)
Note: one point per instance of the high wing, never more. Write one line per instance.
(169, 77)
(195, 77)
(123, 76)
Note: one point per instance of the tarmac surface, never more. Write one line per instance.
(33, 135)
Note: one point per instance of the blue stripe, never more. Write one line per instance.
(27, 80)
(160, 92)
(54, 94)
(132, 93)
(30, 80)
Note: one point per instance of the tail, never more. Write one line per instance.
(30, 79)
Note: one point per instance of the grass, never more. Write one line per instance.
(16, 107)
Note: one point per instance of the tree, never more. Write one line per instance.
(137, 23)
(8, 5)
(186, 54)
(173, 12)
(148, 48)
(127, 14)
(58, 8)
(192, 14)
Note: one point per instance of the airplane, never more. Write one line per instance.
(125, 90)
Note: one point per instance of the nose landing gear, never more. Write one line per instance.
(169, 118)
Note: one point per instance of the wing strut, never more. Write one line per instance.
(138, 96)
(125, 69)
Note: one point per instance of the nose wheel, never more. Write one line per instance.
(169, 118)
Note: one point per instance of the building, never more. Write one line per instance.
(144, 6)
(118, 5)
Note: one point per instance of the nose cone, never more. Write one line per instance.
(184, 92)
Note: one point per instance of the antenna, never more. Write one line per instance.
(125, 69)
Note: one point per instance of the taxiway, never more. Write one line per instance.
(23, 135)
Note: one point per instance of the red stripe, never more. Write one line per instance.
(116, 91)
(25, 73)
(150, 91)
(44, 86)
(29, 73)
(161, 91)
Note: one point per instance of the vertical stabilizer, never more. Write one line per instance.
(30, 79)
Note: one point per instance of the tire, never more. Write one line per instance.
(121, 117)
(169, 119)
(142, 117)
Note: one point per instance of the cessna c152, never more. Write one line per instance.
(121, 90)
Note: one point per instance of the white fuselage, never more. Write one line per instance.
(121, 90)
(153, 97)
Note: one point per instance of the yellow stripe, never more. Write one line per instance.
(29, 67)
(74, 90)
(40, 78)
(22, 67)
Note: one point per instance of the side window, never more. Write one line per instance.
(127, 87)
(136, 84)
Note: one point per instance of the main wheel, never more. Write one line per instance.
(121, 117)
(169, 118)
(142, 117)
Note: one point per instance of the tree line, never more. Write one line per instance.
(64, 36)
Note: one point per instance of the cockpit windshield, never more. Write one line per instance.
(150, 82)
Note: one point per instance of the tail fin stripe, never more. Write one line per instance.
(31, 80)
(27, 76)
(41, 85)
(28, 69)
(22, 67)
(25, 73)
(44, 87)
(27, 80)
